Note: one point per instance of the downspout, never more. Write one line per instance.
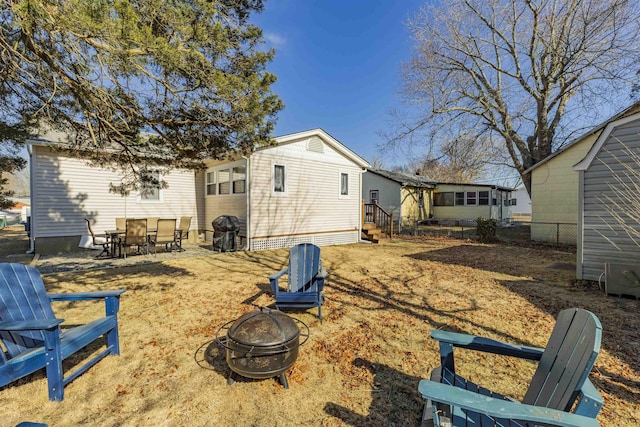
(360, 206)
(32, 246)
(247, 246)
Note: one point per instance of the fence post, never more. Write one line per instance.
(557, 234)
(391, 226)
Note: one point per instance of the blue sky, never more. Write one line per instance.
(338, 65)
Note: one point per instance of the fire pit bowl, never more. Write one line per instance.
(262, 344)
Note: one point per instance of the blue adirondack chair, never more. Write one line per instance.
(560, 380)
(31, 333)
(305, 279)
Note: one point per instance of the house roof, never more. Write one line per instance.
(595, 148)
(322, 134)
(404, 179)
(469, 184)
(583, 136)
(56, 138)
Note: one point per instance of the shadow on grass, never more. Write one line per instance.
(394, 399)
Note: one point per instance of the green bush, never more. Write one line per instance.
(486, 230)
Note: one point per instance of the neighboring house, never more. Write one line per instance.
(520, 205)
(452, 201)
(407, 197)
(305, 188)
(66, 190)
(607, 189)
(554, 187)
(414, 197)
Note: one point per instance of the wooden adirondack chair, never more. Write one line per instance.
(560, 380)
(305, 279)
(31, 333)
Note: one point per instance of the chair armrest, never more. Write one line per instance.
(487, 345)
(82, 296)
(589, 400)
(322, 274)
(30, 325)
(499, 408)
(273, 279)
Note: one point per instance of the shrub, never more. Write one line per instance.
(486, 230)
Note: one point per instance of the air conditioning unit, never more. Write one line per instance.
(622, 279)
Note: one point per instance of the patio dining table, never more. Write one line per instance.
(114, 238)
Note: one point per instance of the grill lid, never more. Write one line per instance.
(263, 328)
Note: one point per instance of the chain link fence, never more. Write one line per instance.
(558, 234)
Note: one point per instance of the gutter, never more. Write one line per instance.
(32, 243)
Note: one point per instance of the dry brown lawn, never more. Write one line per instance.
(360, 367)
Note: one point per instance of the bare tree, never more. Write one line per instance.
(514, 69)
(464, 159)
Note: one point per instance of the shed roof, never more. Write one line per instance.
(595, 148)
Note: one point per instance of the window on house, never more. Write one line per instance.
(513, 202)
(279, 179)
(471, 198)
(344, 184)
(420, 198)
(223, 181)
(443, 199)
(483, 198)
(459, 198)
(150, 186)
(211, 183)
(239, 179)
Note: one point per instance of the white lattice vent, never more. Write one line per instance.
(316, 239)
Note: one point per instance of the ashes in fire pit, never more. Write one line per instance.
(262, 344)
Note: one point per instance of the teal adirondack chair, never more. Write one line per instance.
(32, 336)
(560, 380)
(305, 279)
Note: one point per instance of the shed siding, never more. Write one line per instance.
(312, 203)
(70, 190)
(604, 240)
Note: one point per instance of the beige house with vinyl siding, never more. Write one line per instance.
(66, 190)
(554, 188)
(304, 189)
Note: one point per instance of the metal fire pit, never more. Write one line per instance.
(262, 344)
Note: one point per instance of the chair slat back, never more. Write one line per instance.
(166, 230)
(152, 222)
(136, 231)
(567, 360)
(185, 224)
(22, 297)
(304, 264)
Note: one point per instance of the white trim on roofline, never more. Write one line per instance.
(595, 148)
(334, 143)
